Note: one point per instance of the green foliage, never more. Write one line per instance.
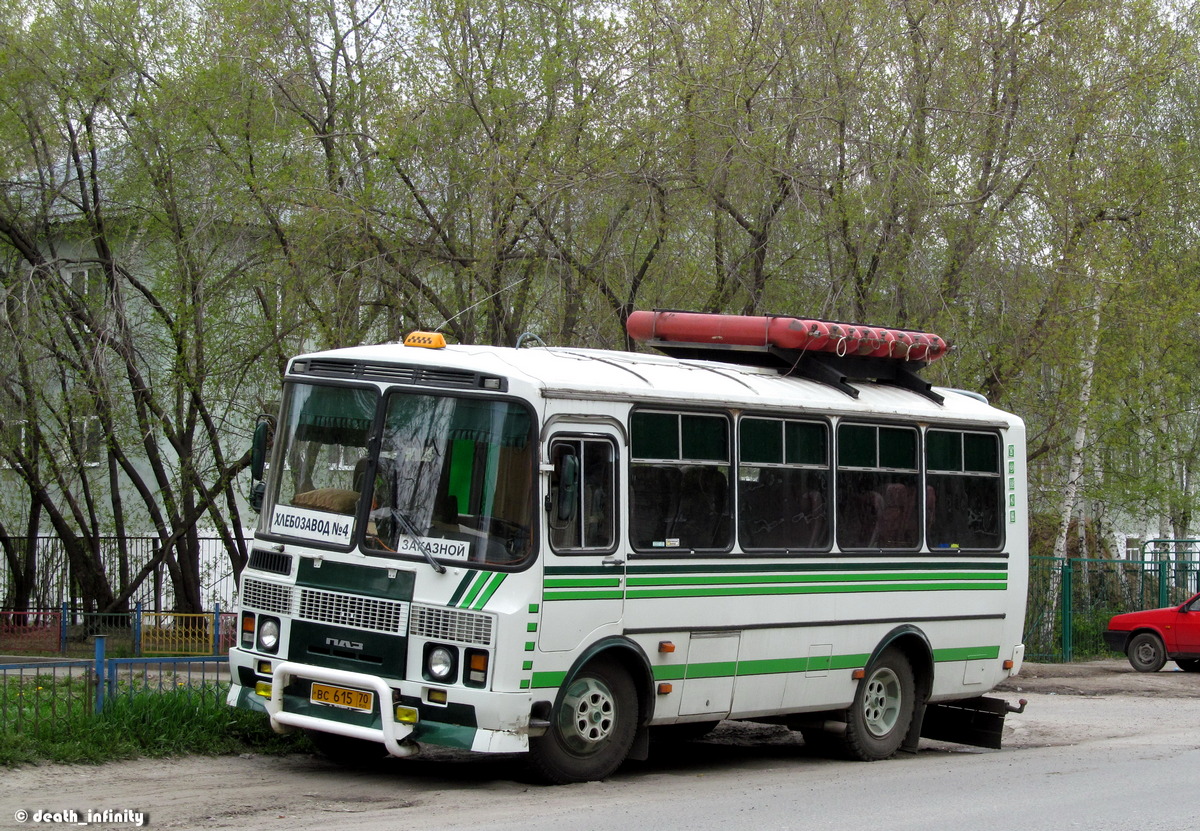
(56, 724)
(248, 180)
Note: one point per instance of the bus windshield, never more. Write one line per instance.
(454, 480)
(324, 433)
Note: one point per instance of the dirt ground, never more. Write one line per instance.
(1107, 677)
(1070, 706)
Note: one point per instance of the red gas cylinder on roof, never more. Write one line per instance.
(781, 332)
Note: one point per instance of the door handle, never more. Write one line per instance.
(613, 561)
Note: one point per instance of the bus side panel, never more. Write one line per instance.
(779, 652)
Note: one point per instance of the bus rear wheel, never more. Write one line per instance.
(592, 728)
(883, 707)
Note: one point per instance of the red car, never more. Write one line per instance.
(1153, 637)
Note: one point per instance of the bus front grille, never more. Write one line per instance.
(352, 611)
(443, 624)
(266, 597)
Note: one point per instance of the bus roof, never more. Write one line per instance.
(596, 374)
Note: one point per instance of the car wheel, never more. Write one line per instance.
(592, 728)
(883, 707)
(1146, 652)
(1188, 664)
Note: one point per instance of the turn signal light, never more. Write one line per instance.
(664, 688)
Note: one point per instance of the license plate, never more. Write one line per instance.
(345, 697)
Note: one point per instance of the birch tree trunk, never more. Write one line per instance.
(1075, 472)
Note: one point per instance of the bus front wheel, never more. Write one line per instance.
(883, 707)
(592, 729)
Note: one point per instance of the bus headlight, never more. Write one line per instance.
(268, 634)
(441, 663)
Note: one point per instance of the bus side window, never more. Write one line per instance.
(878, 505)
(680, 492)
(581, 502)
(783, 480)
(963, 497)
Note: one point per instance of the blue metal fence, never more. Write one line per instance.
(38, 692)
(130, 634)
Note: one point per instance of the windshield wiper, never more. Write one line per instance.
(411, 530)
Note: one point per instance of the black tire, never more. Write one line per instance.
(592, 728)
(347, 751)
(1188, 664)
(883, 708)
(1146, 652)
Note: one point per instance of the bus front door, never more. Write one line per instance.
(584, 584)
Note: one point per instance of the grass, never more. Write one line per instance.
(50, 719)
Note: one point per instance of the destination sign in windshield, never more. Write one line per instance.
(312, 525)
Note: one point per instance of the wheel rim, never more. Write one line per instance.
(881, 702)
(1145, 653)
(587, 716)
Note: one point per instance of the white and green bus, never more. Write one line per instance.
(567, 551)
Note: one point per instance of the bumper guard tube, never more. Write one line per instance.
(393, 733)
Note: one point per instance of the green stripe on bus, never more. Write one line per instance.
(583, 582)
(584, 595)
(713, 669)
(774, 566)
(462, 587)
(967, 653)
(743, 591)
(728, 579)
(793, 567)
(492, 585)
(776, 666)
(770, 666)
(548, 679)
(477, 587)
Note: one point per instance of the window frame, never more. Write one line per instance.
(887, 476)
(615, 490)
(963, 473)
(826, 467)
(670, 545)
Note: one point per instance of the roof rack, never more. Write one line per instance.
(830, 352)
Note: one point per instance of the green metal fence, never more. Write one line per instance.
(1072, 599)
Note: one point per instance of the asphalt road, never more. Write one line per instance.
(1098, 747)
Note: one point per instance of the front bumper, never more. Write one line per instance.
(454, 725)
(395, 736)
(1116, 640)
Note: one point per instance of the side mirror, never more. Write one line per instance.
(568, 487)
(263, 433)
